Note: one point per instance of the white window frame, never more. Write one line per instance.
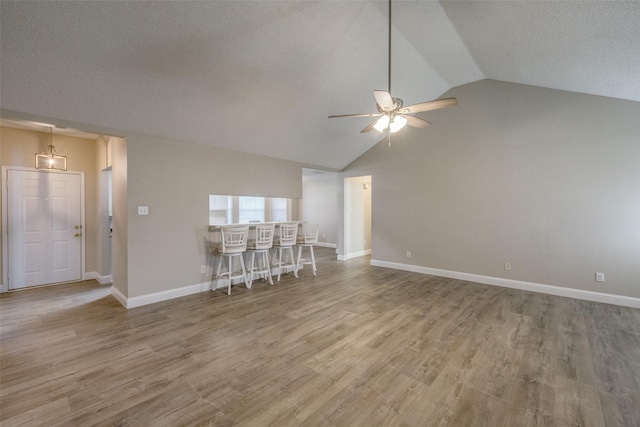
(233, 209)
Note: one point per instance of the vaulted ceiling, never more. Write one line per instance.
(262, 76)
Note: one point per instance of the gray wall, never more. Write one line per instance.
(164, 250)
(174, 179)
(546, 180)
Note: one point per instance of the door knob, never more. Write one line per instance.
(77, 235)
(77, 227)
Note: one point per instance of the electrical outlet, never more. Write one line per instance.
(408, 254)
(203, 269)
(143, 210)
(599, 277)
(507, 266)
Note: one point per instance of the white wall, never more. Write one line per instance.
(543, 179)
(319, 204)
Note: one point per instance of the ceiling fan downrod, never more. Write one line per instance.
(389, 50)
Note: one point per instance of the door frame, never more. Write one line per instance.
(4, 286)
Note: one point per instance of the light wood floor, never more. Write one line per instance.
(355, 346)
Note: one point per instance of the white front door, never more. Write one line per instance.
(44, 228)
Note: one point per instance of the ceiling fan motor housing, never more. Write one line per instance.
(397, 104)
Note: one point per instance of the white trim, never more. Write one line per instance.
(5, 241)
(516, 284)
(119, 296)
(354, 255)
(83, 223)
(103, 280)
(159, 296)
(326, 245)
(177, 292)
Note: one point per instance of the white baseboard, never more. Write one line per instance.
(354, 255)
(103, 280)
(516, 284)
(179, 292)
(159, 296)
(326, 245)
(119, 296)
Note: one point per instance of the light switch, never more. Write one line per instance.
(143, 210)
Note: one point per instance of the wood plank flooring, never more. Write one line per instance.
(355, 346)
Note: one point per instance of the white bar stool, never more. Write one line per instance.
(234, 245)
(307, 240)
(286, 242)
(261, 245)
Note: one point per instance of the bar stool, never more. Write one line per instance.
(286, 242)
(234, 245)
(261, 245)
(307, 240)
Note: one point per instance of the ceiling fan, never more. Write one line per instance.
(391, 113)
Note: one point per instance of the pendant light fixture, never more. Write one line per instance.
(51, 160)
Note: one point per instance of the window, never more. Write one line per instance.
(278, 209)
(246, 209)
(250, 209)
(220, 210)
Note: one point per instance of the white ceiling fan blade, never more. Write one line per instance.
(384, 99)
(416, 122)
(357, 115)
(369, 126)
(429, 106)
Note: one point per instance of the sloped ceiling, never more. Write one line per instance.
(262, 76)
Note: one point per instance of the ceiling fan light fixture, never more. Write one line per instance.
(391, 112)
(382, 123)
(397, 123)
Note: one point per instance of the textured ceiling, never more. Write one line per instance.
(262, 76)
(580, 46)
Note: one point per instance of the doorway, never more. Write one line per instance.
(105, 226)
(357, 216)
(44, 239)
